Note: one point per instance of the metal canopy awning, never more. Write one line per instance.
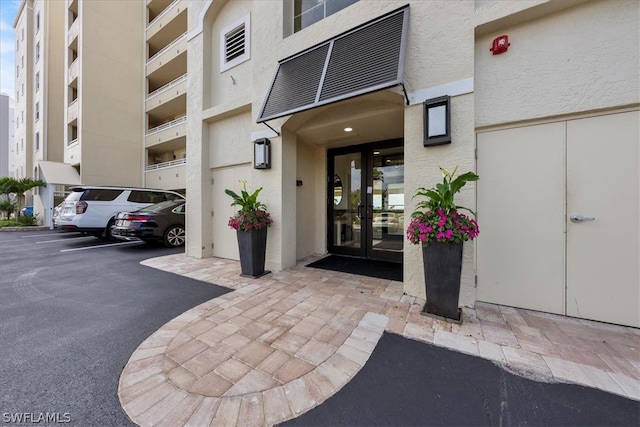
(363, 60)
(58, 173)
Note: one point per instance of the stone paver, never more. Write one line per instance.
(277, 346)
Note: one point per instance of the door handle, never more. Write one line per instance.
(580, 218)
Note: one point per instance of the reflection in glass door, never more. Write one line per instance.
(347, 203)
(387, 229)
(366, 203)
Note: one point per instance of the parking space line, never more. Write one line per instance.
(43, 234)
(67, 239)
(101, 246)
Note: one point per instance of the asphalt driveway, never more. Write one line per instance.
(72, 311)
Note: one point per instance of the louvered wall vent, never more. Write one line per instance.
(234, 43)
(363, 60)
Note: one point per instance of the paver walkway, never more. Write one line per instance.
(282, 344)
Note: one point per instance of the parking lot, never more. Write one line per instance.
(72, 310)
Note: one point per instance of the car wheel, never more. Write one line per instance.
(174, 236)
(107, 232)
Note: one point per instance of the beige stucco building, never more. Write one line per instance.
(544, 105)
(101, 95)
(546, 124)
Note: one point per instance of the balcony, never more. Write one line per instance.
(175, 52)
(72, 112)
(72, 34)
(168, 102)
(167, 176)
(171, 131)
(165, 27)
(73, 72)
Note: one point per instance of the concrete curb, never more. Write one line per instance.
(26, 228)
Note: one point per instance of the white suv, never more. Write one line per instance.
(92, 209)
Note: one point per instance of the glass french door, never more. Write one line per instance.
(366, 200)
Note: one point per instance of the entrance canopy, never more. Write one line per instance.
(363, 60)
(58, 173)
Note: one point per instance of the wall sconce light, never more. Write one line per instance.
(262, 154)
(437, 121)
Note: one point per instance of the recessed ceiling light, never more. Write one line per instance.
(348, 129)
(376, 152)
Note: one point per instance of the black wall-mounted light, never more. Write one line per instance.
(262, 154)
(437, 121)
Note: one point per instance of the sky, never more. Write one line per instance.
(8, 10)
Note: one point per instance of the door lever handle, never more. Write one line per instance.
(580, 218)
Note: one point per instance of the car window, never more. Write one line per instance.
(180, 209)
(157, 207)
(100, 194)
(138, 196)
(74, 196)
(171, 196)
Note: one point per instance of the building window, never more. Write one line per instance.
(22, 61)
(37, 110)
(234, 44)
(37, 81)
(37, 141)
(17, 45)
(22, 34)
(37, 51)
(308, 12)
(17, 70)
(37, 22)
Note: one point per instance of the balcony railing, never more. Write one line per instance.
(166, 125)
(168, 47)
(168, 86)
(177, 162)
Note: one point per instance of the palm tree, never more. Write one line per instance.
(9, 185)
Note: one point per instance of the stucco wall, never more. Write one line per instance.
(308, 201)
(422, 170)
(110, 92)
(580, 59)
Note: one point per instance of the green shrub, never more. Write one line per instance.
(27, 220)
(7, 206)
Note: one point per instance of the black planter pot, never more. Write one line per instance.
(442, 269)
(252, 246)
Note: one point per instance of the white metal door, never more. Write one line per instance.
(521, 199)
(531, 254)
(603, 254)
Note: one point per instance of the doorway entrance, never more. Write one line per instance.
(366, 200)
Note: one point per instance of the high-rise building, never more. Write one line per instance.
(7, 133)
(101, 95)
(165, 94)
(39, 34)
(104, 86)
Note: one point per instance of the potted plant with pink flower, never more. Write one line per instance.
(250, 222)
(441, 228)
